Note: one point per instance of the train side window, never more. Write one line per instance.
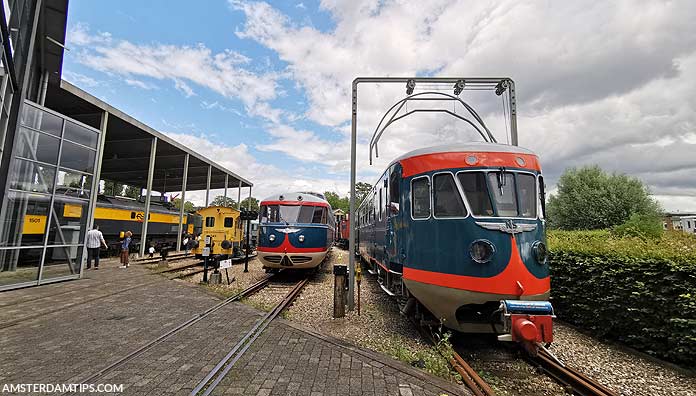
(420, 198)
(476, 191)
(447, 201)
(526, 188)
(229, 222)
(542, 197)
(132, 215)
(324, 216)
(394, 193)
(210, 221)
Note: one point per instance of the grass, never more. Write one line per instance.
(429, 358)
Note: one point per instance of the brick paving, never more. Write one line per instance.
(63, 333)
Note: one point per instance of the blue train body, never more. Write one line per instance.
(296, 230)
(458, 228)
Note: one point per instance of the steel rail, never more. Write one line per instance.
(244, 293)
(471, 379)
(573, 380)
(228, 361)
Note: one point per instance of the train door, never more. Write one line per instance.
(380, 221)
(393, 216)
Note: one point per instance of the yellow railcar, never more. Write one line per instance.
(223, 226)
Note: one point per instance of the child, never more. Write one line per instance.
(151, 250)
(125, 249)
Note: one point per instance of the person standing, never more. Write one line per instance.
(94, 240)
(185, 243)
(125, 249)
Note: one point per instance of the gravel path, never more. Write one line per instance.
(379, 326)
(613, 366)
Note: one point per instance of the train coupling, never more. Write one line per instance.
(529, 323)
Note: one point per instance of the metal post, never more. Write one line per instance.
(513, 113)
(351, 239)
(207, 189)
(183, 203)
(148, 193)
(249, 203)
(239, 196)
(225, 196)
(96, 181)
(248, 247)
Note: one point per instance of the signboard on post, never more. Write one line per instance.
(226, 263)
(206, 252)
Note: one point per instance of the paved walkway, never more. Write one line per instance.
(67, 332)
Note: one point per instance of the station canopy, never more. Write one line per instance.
(127, 146)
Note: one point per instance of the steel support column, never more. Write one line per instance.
(148, 193)
(95, 185)
(351, 239)
(207, 188)
(249, 203)
(239, 196)
(183, 203)
(226, 180)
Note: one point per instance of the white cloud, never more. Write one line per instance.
(597, 82)
(268, 179)
(139, 84)
(183, 65)
(80, 35)
(80, 79)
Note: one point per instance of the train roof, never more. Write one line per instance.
(134, 204)
(213, 207)
(480, 147)
(296, 196)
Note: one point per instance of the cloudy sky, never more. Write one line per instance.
(264, 88)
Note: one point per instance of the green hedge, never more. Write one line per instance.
(641, 292)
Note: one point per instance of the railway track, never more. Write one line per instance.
(206, 386)
(245, 293)
(573, 380)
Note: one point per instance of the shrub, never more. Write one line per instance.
(641, 292)
(641, 226)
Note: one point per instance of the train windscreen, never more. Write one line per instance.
(502, 194)
(292, 214)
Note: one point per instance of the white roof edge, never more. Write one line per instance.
(159, 135)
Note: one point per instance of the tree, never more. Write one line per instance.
(254, 203)
(188, 205)
(133, 192)
(220, 200)
(113, 188)
(361, 191)
(337, 202)
(589, 198)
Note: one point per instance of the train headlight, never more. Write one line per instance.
(301, 238)
(481, 250)
(271, 237)
(540, 252)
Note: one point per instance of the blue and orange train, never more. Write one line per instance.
(296, 230)
(459, 233)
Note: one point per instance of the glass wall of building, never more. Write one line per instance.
(44, 217)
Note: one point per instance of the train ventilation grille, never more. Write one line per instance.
(300, 259)
(274, 259)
